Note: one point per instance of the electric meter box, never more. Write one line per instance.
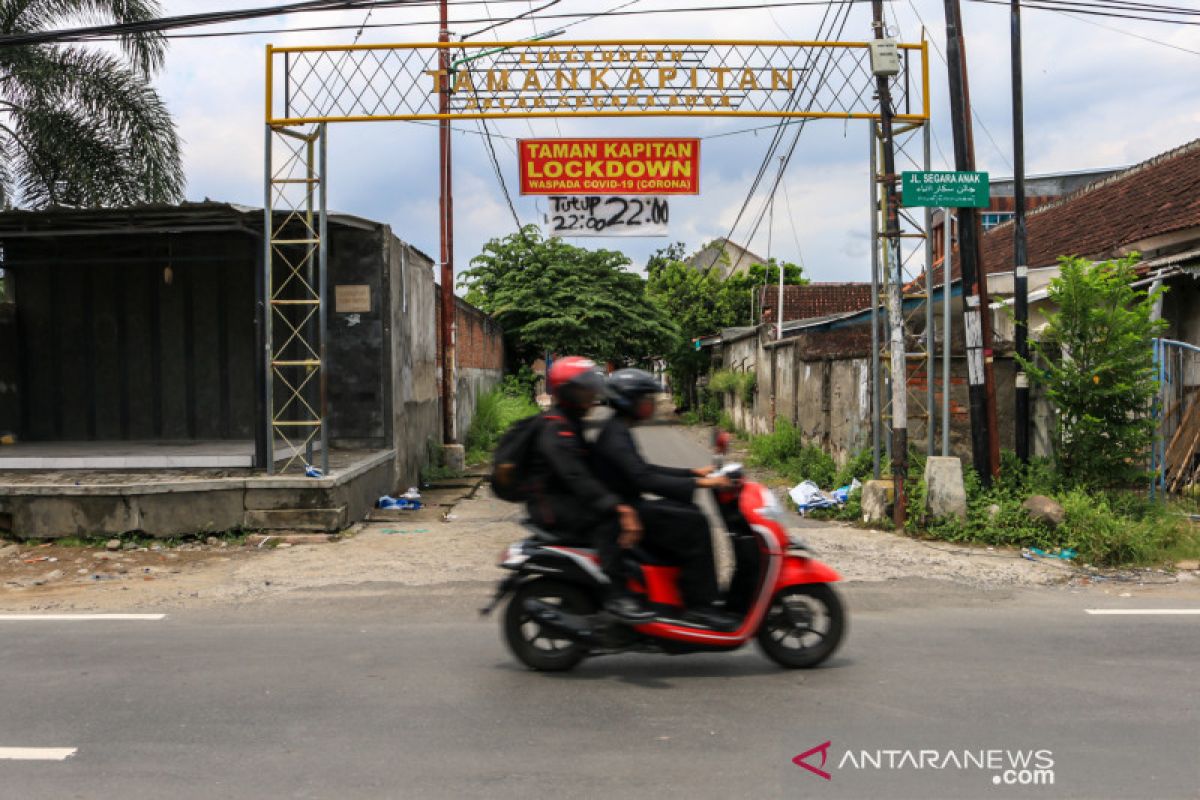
(885, 57)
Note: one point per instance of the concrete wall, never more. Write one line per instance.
(416, 414)
(822, 383)
(479, 363)
(10, 409)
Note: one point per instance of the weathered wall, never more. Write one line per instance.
(479, 352)
(822, 383)
(10, 408)
(355, 345)
(416, 417)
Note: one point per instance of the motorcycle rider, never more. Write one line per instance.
(674, 526)
(571, 501)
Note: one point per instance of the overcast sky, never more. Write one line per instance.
(1095, 97)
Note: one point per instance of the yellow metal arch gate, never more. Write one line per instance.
(309, 87)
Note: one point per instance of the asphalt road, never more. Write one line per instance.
(396, 692)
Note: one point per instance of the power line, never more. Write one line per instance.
(796, 138)
(1128, 33)
(780, 127)
(579, 16)
(523, 15)
(159, 24)
(1087, 9)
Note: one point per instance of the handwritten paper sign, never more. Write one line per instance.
(946, 189)
(607, 215)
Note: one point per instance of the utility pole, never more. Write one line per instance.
(1020, 265)
(891, 238)
(446, 213)
(977, 326)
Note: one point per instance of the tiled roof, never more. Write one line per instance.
(815, 299)
(1159, 196)
(1156, 197)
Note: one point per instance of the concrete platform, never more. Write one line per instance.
(44, 504)
(135, 455)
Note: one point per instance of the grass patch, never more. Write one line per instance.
(495, 412)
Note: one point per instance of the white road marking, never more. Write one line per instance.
(1138, 611)
(36, 753)
(79, 617)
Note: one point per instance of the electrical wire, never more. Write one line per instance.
(1083, 8)
(796, 138)
(1124, 32)
(523, 15)
(580, 17)
(159, 24)
(781, 126)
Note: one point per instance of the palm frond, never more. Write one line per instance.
(146, 50)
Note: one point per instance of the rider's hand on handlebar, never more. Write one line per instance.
(703, 472)
(715, 482)
(631, 527)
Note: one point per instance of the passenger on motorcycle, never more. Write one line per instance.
(674, 527)
(570, 501)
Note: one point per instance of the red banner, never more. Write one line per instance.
(610, 166)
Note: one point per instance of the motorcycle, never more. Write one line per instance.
(780, 594)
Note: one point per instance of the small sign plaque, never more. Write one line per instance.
(352, 298)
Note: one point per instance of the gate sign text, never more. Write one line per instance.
(596, 215)
(610, 166)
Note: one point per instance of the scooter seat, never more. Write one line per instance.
(640, 556)
(541, 534)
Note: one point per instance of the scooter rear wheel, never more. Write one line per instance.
(803, 626)
(532, 644)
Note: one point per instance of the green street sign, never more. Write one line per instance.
(946, 189)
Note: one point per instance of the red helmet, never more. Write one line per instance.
(571, 375)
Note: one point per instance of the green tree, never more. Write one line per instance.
(701, 304)
(81, 126)
(550, 296)
(1096, 364)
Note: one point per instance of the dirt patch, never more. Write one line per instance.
(28, 566)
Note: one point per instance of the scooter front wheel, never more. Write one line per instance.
(803, 626)
(534, 645)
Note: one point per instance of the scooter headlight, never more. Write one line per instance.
(514, 556)
(771, 508)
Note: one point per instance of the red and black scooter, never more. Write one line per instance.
(782, 595)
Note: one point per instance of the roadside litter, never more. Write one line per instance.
(1065, 554)
(313, 472)
(405, 530)
(409, 501)
(808, 496)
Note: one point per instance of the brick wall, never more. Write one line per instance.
(479, 340)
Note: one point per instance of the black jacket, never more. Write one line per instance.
(623, 470)
(569, 497)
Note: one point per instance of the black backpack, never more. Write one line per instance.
(510, 478)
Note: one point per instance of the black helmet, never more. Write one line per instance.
(627, 386)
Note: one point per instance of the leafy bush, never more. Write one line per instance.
(747, 383)
(1096, 363)
(741, 384)
(860, 466)
(710, 407)
(521, 383)
(723, 380)
(785, 452)
(495, 412)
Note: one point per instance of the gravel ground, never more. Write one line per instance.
(459, 543)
